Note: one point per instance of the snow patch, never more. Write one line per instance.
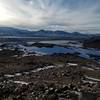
(21, 82)
(18, 74)
(91, 69)
(44, 68)
(93, 79)
(72, 64)
(9, 76)
(91, 82)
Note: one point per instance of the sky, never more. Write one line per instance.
(68, 15)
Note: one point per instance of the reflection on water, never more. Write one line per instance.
(86, 53)
(82, 52)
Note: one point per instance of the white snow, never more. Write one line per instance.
(71, 48)
(91, 69)
(77, 93)
(64, 43)
(72, 64)
(9, 76)
(44, 68)
(26, 73)
(93, 79)
(21, 82)
(91, 82)
(18, 74)
(32, 71)
(56, 49)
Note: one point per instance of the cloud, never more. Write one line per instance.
(68, 15)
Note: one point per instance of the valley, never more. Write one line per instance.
(49, 70)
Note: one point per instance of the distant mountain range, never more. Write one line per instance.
(14, 32)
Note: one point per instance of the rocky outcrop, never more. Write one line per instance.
(94, 42)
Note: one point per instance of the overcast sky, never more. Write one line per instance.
(68, 15)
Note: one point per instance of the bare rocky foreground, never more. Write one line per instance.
(48, 77)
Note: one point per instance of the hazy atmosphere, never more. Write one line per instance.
(67, 15)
